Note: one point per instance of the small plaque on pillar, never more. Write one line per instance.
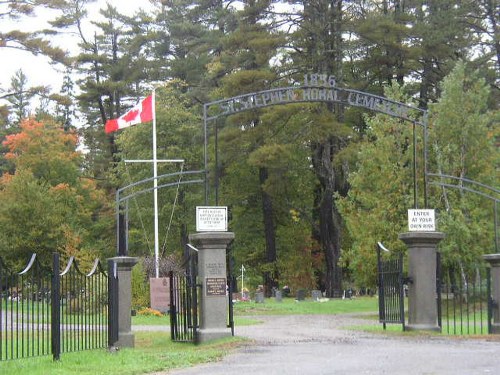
(160, 293)
(421, 221)
(215, 286)
(211, 219)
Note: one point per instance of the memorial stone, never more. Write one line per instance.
(316, 295)
(301, 295)
(259, 297)
(278, 296)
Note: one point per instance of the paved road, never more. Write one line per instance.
(321, 345)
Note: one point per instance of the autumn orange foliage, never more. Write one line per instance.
(33, 134)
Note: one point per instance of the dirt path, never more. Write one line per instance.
(322, 345)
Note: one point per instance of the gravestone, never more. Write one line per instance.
(259, 297)
(160, 293)
(278, 296)
(316, 295)
(301, 295)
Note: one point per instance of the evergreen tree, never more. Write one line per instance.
(464, 147)
(33, 42)
(246, 56)
(319, 43)
(21, 96)
(375, 209)
(442, 34)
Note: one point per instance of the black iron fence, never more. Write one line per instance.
(44, 311)
(183, 308)
(391, 288)
(464, 298)
(25, 311)
(184, 314)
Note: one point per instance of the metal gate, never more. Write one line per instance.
(184, 317)
(464, 298)
(391, 288)
(185, 295)
(44, 311)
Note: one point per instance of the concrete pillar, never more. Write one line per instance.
(213, 278)
(422, 301)
(494, 261)
(124, 267)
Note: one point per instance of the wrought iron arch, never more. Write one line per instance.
(471, 186)
(317, 88)
(123, 196)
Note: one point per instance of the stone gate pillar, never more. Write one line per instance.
(124, 267)
(213, 279)
(422, 301)
(494, 261)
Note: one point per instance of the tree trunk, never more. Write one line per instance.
(326, 57)
(270, 276)
(328, 217)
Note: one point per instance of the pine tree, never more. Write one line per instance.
(246, 56)
(463, 146)
(318, 42)
(21, 96)
(33, 42)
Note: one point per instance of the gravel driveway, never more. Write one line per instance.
(321, 345)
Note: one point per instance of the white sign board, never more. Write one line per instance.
(421, 221)
(211, 219)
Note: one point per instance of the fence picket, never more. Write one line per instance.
(43, 311)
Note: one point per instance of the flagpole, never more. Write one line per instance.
(155, 186)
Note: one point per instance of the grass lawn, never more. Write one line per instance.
(154, 351)
(290, 306)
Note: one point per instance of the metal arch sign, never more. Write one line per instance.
(316, 88)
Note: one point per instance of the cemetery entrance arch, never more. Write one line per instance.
(316, 88)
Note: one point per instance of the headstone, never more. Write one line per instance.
(160, 293)
(347, 294)
(301, 295)
(286, 291)
(278, 296)
(259, 297)
(316, 295)
(337, 294)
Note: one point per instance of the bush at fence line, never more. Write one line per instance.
(148, 311)
(92, 300)
(140, 287)
(165, 264)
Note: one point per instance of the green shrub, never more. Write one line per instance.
(140, 287)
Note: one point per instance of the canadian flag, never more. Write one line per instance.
(142, 112)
